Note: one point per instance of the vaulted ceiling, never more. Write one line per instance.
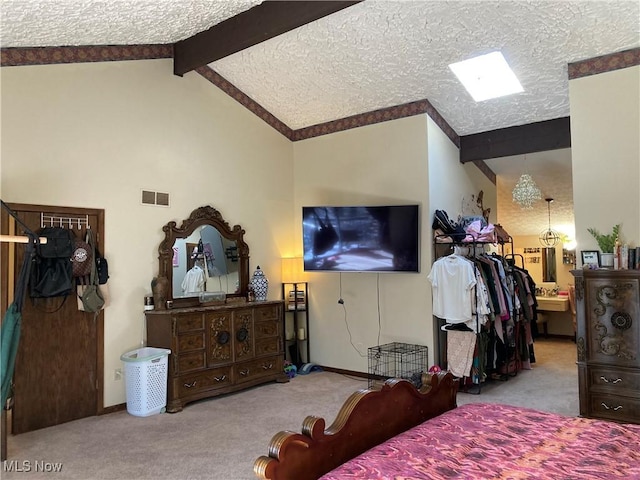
(368, 56)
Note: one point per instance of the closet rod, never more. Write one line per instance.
(19, 239)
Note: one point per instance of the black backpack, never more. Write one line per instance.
(442, 222)
(52, 269)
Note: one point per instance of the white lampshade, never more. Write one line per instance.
(292, 270)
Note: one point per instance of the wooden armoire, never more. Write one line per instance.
(608, 343)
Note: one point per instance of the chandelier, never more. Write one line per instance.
(526, 192)
(549, 238)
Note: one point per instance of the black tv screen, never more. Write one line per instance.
(361, 239)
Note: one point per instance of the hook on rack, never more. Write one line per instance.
(53, 220)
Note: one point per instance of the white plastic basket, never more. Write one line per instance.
(145, 373)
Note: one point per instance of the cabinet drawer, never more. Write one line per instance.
(190, 361)
(267, 346)
(614, 381)
(621, 409)
(247, 371)
(269, 328)
(189, 322)
(187, 343)
(267, 312)
(209, 380)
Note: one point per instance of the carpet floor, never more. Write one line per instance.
(220, 438)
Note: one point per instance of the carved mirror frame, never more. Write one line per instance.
(206, 215)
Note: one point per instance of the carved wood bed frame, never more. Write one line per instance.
(367, 418)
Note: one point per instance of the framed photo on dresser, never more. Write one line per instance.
(590, 257)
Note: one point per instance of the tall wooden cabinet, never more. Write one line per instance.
(608, 343)
(218, 349)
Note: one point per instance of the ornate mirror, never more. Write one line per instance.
(207, 242)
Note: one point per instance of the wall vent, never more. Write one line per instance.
(155, 198)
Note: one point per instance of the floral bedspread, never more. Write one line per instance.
(491, 441)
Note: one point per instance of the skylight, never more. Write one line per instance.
(487, 76)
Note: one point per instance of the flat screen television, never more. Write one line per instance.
(361, 239)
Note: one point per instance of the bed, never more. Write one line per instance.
(398, 432)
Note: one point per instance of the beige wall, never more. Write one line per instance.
(94, 135)
(605, 146)
(450, 181)
(535, 268)
(558, 323)
(403, 161)
(378, 164)
(126, 126)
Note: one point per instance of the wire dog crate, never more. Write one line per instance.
(397, 360)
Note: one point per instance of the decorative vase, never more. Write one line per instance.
(259, 285)
(160, 289)
(606, 260)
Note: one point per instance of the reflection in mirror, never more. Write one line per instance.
(549, 272)
(204, 262)
(207, 239)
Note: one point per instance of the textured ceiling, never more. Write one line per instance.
(54, 23)
(377, 54)
(552, 173)
(369, 56)
(383, 53)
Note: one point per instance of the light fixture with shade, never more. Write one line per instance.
(294, 293)
(292, 270)
(549, 238)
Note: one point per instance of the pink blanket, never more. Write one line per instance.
(482, 441)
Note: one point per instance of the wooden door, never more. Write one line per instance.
(59, 366)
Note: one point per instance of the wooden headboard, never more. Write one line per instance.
(368, 418)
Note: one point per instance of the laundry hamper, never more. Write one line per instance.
(145, 373)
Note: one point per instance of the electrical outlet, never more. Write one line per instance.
(117, 374)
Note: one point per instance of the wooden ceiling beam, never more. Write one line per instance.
(262, 22)
(505, 142)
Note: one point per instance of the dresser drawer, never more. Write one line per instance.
(188, 343)
(267, 346)
(218, 349)
(268, 328)
(614, 380)
(267, 312)
(189, 322)
(247, 371)
(209, 380)
(189, 361)
(618, 408)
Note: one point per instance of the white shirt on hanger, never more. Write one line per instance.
(194, 280)
(452, 279)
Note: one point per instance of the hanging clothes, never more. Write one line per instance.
(11, 323)
(194, 280)
(460, 349)
(482, 306)
(452, 279)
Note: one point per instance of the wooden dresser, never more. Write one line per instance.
(218, 349)
(608, 343)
